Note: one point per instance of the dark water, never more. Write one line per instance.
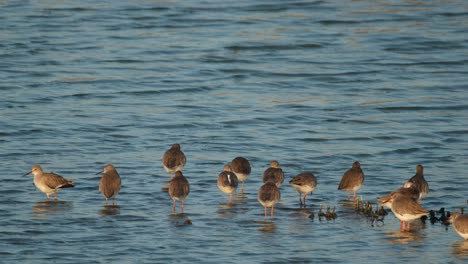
(312, 84)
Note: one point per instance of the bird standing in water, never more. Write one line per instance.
(460, 224)
(241, 167)
(274, 173)
(49, 182)
(406, 209)
(227, 182)
(352, 180)
(174, 159)
(304, 183)
(407, 190)
(110, 183)
(179, 188)
(269, 195)
(419, 182)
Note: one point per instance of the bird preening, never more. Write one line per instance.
(241, 167)
(227, 181)
(174, 159)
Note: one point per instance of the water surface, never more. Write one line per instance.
(315, 85)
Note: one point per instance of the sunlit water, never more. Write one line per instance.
(315, 85)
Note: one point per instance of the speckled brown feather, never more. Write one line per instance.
(227, 178)
(174, 158)
(460, 224)
(419, 182)
(179, 187)
(352, 178)
(405, 205)
(55, 181)
(304, 179)
(409, 192)
(269, 192)
(110, 183)
(274, 174)
(240, 165)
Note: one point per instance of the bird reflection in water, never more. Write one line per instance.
(109, 210)
(460, 249)
(267, 226)
(404, 237)
(42, 210)
(227, 210)
(181, 219)
(241, 197)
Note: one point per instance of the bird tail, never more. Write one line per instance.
(69, 184)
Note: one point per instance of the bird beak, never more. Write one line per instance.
(27, 173)
(100, 172)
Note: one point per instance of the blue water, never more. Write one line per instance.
(315, 85)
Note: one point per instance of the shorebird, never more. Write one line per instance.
(352, 180)
(274, 173)
(227, 182)
(406, 209)
(407, 190)
(241, 167)
(304, 183)
(179, 188)
(49, 182)
(460, 224)
(110, 183)
(419, 182)
(174, 159)
(268, 195)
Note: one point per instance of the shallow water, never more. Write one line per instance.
(312, 84)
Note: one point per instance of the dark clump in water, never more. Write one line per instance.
(365, 208)
(443, 216)
(328, 214)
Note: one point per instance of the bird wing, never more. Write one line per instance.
(304, 179)
(275, 174)
(55, 181)
(174, 157)
(269, 192)
(462, 224)
(179, 187)
(351, 178)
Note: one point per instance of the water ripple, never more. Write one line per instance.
(315, 85)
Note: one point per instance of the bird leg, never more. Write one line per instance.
(55, 197)
(265, 211)
(242, 187)
(348, 195)
(174, 206)
(305, 195)
(230, 199)
(48, 197)
(404, 226)
(272, 211)
(300, 199)
(182, 207)
(354, 196)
